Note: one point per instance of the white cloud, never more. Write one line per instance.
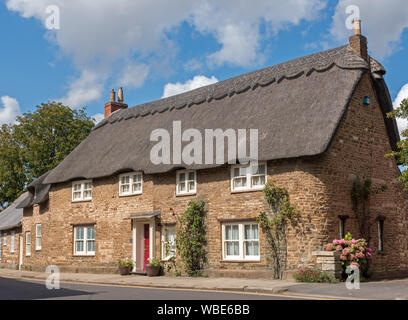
(98, 32)
(133, 75)
(382, 21)
(98, 117)
(403, 94)
(88, 87)
(9, 111)
(172, 89)
(236, 24)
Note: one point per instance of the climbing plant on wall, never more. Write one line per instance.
(361, 193)
(274, 225)
(191, 238)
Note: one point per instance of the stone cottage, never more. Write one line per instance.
(11, 237)
(321, 122)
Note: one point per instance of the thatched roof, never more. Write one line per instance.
(296, 106)
(38, 192)
(11, 217)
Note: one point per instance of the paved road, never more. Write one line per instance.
(381, 290)
(13, 289)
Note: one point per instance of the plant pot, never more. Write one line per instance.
(152, 271)
(124, 271)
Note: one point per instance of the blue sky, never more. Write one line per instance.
(155, 47)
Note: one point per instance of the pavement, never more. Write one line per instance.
(381, 290)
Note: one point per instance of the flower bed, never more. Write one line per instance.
(313, 275)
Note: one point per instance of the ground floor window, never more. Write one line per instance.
(240, 241)
(12, 241)
(380, 235)
(38, 237)
(84, 240)
(168, 242)
(342, 226)
(28, 243)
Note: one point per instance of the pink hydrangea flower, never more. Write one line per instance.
(338, 248)
(342, 257)
(354, 241)
(329, 247)
(352, 257)
(346, 251)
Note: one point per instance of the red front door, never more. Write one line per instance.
(146, 245)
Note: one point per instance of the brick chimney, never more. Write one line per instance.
(114, 105)
(358, 42)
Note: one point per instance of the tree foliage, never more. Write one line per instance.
(401, 155)
(37, 143)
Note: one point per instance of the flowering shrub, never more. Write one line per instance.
(314, 275)
(352, 252)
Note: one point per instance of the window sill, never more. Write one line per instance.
(186, 194)
(130, 195)
(84, 255)
(241, 261)
(81, 201)
(167, 259)
(247, 190)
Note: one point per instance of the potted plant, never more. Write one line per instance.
(153, 268)
(125, 267)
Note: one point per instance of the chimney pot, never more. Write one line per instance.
(357, 27)
(120, 95)
(113, 96)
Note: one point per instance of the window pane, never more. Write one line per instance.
(124, 189)
(88, 185)
(191, 186)
(79, 246)
(137, 178)
(183, 187)
(182, 177)
(252, 248)
(91, 234)
(87, 194)
(240, 182)
(232, 248)
(77, 195)
(91, 246)
(137, 187)
(191, 176)
(79, 233)
(258, 181)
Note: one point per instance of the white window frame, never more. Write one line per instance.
(5, 239)
(38, 237)
(28, 243)
(82, 190)
(241, 240)
(187, 182)
(164, 242)
(12, 241)
(85, 240)
(131, 183)
(249, 177)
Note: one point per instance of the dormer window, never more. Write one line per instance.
(130, 184)
(82, 190)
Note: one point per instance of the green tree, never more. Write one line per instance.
(401, 155)
(37, 143)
